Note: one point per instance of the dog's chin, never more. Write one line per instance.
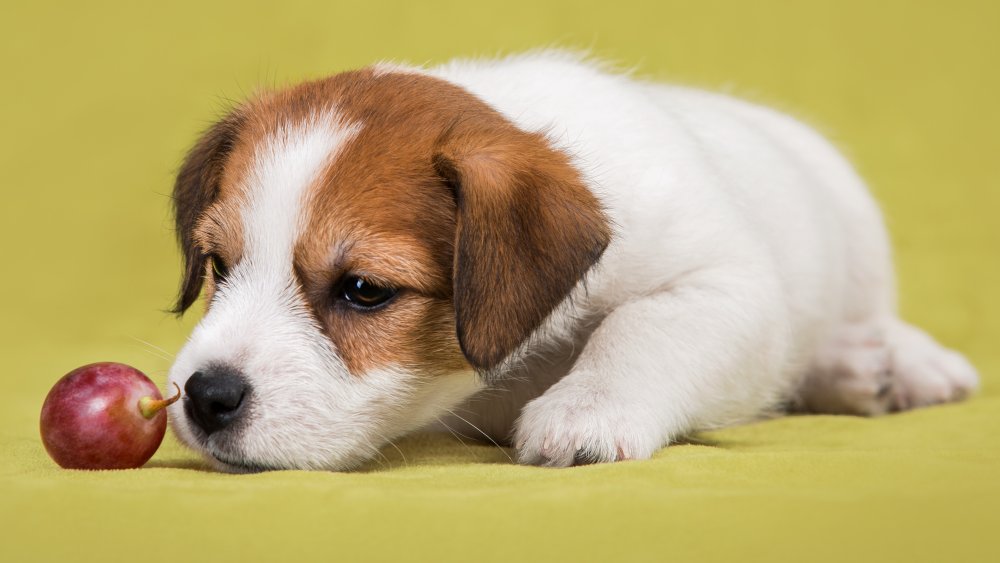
(229, 463)
(228, 460)
(226, 464)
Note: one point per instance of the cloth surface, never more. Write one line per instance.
(100, 101)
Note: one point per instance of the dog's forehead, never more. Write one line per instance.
(343, 167)
(381, 196)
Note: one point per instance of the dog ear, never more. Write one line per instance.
(196, 187)
(527, 230)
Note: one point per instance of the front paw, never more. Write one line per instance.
(571, 426)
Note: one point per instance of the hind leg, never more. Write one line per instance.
(876, 367)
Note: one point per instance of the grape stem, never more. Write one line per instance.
(149, 406)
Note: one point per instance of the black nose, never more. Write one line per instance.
(215, 397)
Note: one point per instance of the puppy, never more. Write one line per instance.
(572, 262)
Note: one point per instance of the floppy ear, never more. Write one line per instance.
(196, 187)
(528, 229)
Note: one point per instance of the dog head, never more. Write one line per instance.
(368, 246)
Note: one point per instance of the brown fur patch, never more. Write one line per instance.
(219, 232)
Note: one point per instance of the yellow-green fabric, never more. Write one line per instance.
(99, 102)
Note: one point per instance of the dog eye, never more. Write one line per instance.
(362, 293)
(219, 269)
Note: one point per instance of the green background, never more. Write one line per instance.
(99, 102)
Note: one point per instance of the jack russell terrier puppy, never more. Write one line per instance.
(576, 263)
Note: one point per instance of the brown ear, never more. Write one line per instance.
(528, 229)
(196, 187)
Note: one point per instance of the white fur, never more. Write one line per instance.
(745, 249)
(744, 243)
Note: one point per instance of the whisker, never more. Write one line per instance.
(379, 453)
(499, 447)
(155, 355)
(393, 444)
(453, 433)
(153, 347)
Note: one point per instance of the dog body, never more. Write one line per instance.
(580, 264)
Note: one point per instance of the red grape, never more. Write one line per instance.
(104, 416)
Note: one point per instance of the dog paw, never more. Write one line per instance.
(928, 373)
(852, 374)
(572, 426)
